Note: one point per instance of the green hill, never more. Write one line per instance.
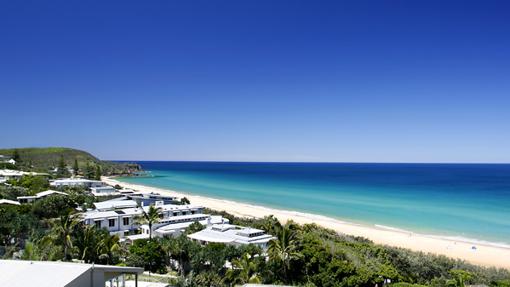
(44, 159)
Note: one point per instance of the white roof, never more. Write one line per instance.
(103, 187)
(42, 194)
(11, 172)
(74, 180)
(176, 207)
(42, 274)
(19, 273)
(49, 192)
(97, 214)
(114, 204)
(210, 219)
(137, 236)
(227, 233)
(6, 201)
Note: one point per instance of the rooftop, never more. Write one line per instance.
(42, 194)
(228, 233)
(114, 204)
(19, 273)
(7, 201)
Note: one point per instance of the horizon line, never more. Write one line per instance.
(332, 162)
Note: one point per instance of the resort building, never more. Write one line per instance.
(103, 190)
(76, 182)
(40, 195)
(20, 273)
(119, 220)
(233, 235)
(176, 225)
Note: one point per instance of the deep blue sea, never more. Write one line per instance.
(464, 200)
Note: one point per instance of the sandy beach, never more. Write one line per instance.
(484, 254)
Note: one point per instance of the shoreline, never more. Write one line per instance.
(486, 254)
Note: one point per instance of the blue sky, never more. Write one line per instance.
(376, 81)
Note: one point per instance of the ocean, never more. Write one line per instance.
(469, 201)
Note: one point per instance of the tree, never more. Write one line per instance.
(184, 200)
(283, 249)
(61, 232)
(76, 168)
(97, 175)
(61, 169)
(194, 227)
(153, 215)
(16, 157)
(460, 277)
(86, 242)
(53, 206)
(108, 248)
(89, 171)
(34, 183)
(181, 249)
(147, 254)
(244, 270)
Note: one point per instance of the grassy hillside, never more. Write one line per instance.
(43, 159)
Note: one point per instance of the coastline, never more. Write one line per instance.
(486, 254)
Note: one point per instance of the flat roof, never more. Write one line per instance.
(20, 273)
(115, 204)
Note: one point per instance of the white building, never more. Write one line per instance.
(11, 161)
(76, 182)
(233, 235)
(103, 190)
(117, 218)
(20, 273)
(176, 225)
(40, 195)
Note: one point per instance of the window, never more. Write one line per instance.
(125, 220)
(98, 224)
(111, 222)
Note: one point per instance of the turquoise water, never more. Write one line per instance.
(469, 201)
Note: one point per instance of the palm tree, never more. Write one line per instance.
(283, 249)
(86, 240)
(107, 247)
(244, 270)
(153, 215)
(62, 230)
(271, 224)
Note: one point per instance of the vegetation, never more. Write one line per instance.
(45, 159)
(149, 217)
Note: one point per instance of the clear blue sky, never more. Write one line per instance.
(377, 81)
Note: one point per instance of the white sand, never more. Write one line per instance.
(485, 253)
